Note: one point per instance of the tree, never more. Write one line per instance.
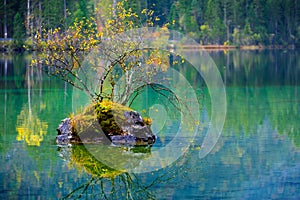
(111, 55)
(82, 10)
(5, 20)
(227, 17)
(19, 31)
(28, 18)
(198, 9)
(53, 14)
(7, 13)
(213, 17)
(272, 21)
(174, 16)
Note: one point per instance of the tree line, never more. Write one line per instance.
(237, 22)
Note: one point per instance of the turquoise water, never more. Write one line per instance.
(256, 157)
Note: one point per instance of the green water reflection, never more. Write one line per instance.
(105, 182)
(257, 156)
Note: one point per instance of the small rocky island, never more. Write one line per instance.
(106, 123)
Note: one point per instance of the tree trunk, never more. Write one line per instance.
(40, 18)
(99, 23)
(225, 19)
(28, 18)
(296, 14)
(65, 12)
(114, 8)
(5, 20)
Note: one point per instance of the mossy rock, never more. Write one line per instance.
(102, 122)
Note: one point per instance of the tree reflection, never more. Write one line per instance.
(29, 127)
(258, 85)
(106, 182)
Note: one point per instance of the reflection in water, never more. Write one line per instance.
(258, 85)
(257, 156)
(30, 128)
(106, 182)
(248, 107)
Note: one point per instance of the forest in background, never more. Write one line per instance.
(229, 22)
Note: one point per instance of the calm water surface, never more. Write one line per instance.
(256, 157)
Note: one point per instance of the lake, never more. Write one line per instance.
(256, 157)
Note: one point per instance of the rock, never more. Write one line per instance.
(65, 135)
(64, 127)
(106, 122)
(133, 117)
(64, 132)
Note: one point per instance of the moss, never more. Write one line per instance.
(147, 120)
(110, 116)
(106, 117)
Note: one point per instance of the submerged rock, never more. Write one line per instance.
(106, 122)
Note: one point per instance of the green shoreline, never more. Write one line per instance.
(8, 47)
(242, 47)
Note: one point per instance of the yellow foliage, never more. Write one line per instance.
(204, 27)
(65, 50)
(147, 121)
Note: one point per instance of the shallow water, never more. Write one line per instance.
(256, 157)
